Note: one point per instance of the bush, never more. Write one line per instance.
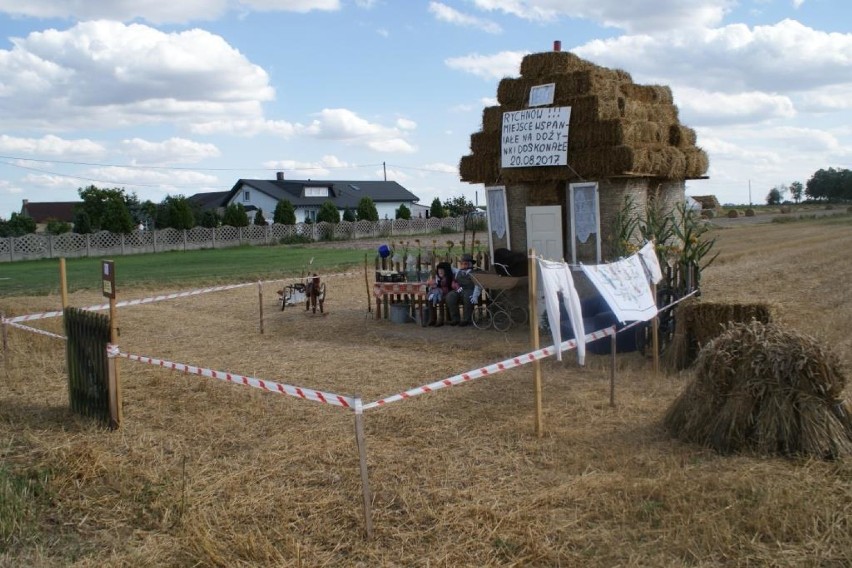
(749, 212)
(295, 240)
(733, 214)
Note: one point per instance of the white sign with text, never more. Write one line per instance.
(535, 137)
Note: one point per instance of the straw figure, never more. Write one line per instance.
(763, 389)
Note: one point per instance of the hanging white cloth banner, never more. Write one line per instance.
(648, 256)
(555, 279)
(624, 286)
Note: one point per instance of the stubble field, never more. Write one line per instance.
(205, 473)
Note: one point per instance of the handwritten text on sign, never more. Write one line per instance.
(535, 137)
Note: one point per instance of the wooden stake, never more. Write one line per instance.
(534, 341)
(63, 283)
(361, 441)
(260, 304)
(612, 369)
(655, 335)
(5, 340)
(115, 411)
(367, 284)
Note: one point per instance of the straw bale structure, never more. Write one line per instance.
(761, 388)
(619, 133)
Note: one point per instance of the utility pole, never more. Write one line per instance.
(749, 193)
(385, 169)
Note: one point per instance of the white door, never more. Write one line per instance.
(544, 231)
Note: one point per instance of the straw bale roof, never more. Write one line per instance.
(617, 128)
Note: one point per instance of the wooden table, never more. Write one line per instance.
(388, 293)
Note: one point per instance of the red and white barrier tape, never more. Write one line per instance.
(36, 330)
(489, 370)
(271, 386)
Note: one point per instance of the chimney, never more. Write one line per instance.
(557, 45)
(279, 176)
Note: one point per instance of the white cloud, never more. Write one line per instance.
(246, 128)
(702, 107)
(171, 151)
(630, 16)
(51, 145)
(344, 125)
(784, 57)
(405, 124)
(155, 11)
(104, 73)
(299, 170)
(489, 67)
(445, 13)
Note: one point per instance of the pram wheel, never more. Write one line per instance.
(501, 320)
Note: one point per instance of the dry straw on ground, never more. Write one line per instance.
(205, 473)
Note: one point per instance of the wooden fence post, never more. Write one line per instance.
(361, 441)
(534, 340)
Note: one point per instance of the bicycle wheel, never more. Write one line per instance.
(502, 320)
(481, 317)
(519, 315)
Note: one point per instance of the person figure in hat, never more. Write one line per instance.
(465, 290)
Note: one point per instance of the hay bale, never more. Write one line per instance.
(655, 94)
(681, 136)
(760, 388)
(548, 63)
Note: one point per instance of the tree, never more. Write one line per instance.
(175, 212)
(436, 210)
(796, 190)
(285, 213)
(259, 219)
(209, 219)
(830, 184)
(349, 215)
(367, 210)
(458, 206)
(328, 213)
(403, 212)
(82, 222)
(235, 216)
(773, 197)
(57, 227)
(108, 209)
(17, 226)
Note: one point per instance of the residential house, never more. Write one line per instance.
(307, 196)
(42, 212)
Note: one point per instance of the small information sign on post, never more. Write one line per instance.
(108, 276)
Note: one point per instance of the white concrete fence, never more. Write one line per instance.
(74, 245)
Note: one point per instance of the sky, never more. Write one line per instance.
(178, 97)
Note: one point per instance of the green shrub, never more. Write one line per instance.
(295, 240)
